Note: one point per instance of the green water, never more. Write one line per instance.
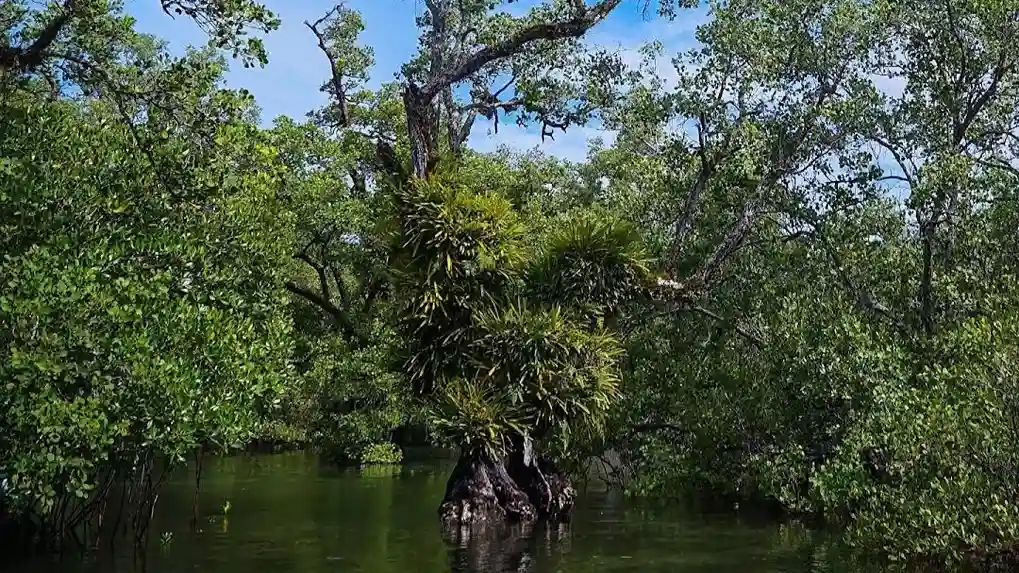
(290, 513)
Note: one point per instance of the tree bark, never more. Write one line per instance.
(421, 130)
(419, 99)
(521, 488)
(547, 487)
(340, 317)
(480, 490)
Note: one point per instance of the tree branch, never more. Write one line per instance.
(323, 284)
(900, 158)
(340, 318)
(693, 196)
(340, 92)
(341, 288)
(573, 28)
(1001, 68)
(708, 272)
(750, 336)
(28, 58)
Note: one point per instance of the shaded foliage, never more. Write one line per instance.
(142, 307)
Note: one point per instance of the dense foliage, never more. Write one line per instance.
(142, 310)
(483, 317)
(790, 279)
(856, 363)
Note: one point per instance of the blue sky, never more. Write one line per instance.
(289, 84)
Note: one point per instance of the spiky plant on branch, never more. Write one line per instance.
(500, 345)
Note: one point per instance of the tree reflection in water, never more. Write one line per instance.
(504, 548)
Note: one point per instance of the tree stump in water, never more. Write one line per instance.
(481, 490)
(485, 489)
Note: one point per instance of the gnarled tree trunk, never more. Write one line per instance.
(548, 488)
(481, 490)
(520, 488)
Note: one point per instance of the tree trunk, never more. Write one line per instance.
(549, 489)
(421, 130)
(481, 490)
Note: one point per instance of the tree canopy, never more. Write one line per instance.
(790, 279)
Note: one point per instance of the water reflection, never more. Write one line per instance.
(290, 513)
(505, 548)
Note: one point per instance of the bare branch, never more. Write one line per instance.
(339, 91)
(511, 81)
(998, 164)
(899, 157)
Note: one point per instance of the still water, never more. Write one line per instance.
(291, 513)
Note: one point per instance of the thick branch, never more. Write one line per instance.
(28, 58)
(485, 107)
(323, 284)
(709, 271)
(369, 293)
(340, 318)
(573, 28)
(341, 289)
(422, 124)
(358, 181)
